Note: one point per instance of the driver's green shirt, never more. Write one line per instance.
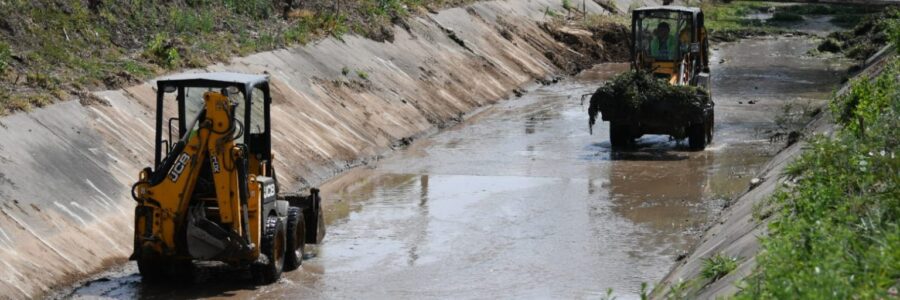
(666, 52)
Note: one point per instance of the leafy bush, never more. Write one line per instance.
(865, 100)
(837, 233)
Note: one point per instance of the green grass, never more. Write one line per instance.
(718, 266)
(79, 46)
(836, 234)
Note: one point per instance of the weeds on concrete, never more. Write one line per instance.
(567, 5)
(362, 74)
(791, 122)
(678, 290)
(718, 266)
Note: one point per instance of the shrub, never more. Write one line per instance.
(894, 32)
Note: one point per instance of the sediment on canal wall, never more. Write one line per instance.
(66, 170)
(736, 231)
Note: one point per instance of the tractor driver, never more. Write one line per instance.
(663, 45)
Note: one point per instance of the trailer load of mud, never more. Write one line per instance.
(639, 93)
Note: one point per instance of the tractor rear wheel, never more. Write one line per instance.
(296, 239)
(619, 136)
(274, 240)
(697, 134)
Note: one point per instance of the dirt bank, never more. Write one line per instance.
(736, 232)
(65, 210)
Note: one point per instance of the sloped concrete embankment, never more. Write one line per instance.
(66, 170)
(736, 232)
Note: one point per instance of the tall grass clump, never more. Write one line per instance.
(718, 266)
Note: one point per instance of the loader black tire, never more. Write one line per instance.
(183, 270)
(619, 136)
(152, 271)
(697, 136)
(296, 239)
(273, 245)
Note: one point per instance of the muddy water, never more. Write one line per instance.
(521, 201)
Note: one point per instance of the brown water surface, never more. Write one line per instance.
(519, 201)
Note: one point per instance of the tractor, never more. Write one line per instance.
(670, 44)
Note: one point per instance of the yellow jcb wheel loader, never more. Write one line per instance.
(212, 194)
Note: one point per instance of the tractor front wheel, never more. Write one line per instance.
(697, 136)
(619, 136)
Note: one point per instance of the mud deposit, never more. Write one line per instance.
(520, 201)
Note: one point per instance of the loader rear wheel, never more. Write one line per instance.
(273, 246)
(619, 136)
(697, 136)
(296, 239)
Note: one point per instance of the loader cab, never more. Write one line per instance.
(670, 41)
(179, 99)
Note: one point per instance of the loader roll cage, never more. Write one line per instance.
(679, 18)
(685, 27)
(239, 87)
